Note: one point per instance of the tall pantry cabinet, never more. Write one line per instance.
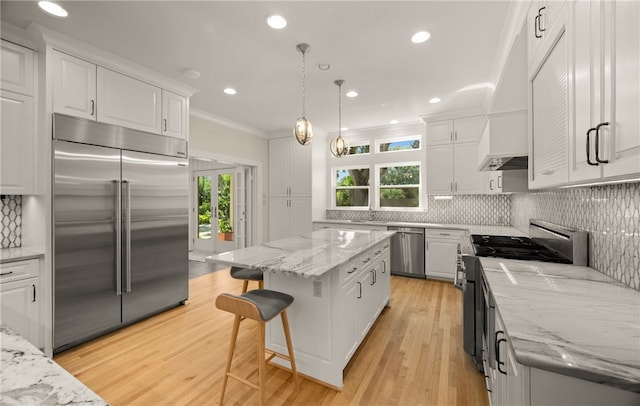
(289, 188)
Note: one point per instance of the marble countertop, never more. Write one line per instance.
(18, 254)
(569, 319)
(29, 377)
(308, 255)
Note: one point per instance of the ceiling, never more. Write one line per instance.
(367, 43)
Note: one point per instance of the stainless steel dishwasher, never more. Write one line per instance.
(407, 252)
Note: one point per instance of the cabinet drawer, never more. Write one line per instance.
(379, 249)
(452, 234)
(13, 271)
(354, 267)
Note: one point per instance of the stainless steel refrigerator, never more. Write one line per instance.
(120, 226)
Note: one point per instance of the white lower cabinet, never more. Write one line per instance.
(442, 253)
(289, 217)
(20, 300)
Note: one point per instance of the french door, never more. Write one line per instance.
(220, 204)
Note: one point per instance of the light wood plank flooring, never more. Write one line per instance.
(412, 356)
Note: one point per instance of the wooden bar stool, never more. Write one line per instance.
(260, 305)
(247, 275)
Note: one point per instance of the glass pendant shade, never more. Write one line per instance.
(303, 131)
(339, 146)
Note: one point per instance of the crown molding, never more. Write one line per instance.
(205, 115)
(450, 115)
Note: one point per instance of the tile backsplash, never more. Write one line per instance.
(611, 215)
(491, 210)
(11, 227)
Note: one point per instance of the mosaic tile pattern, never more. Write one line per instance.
(490, 210)
(611, 215)
(11, 223)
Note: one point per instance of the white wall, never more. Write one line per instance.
(211, 138)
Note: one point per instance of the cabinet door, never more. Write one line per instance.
(300, 169)
(548, 150)
(350, 330)
(439, 132)
(174, 115)
(128, 102)
(440, 169)
(74, 86)
(467, 129)
(467, 178)
(20, 308)
(441, 257)
(299, 216)
(366, 304)
(534, 35)
(279, 167)
(17, 144)
(621, 138)
(278, 218)
(16, 68)
(587, 86)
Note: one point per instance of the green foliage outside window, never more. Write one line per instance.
(224, 203)
(393, 192)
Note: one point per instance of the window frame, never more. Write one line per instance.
(387, 139)
(335, 187)
(379, 186)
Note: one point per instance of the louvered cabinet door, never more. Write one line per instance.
(548, 164)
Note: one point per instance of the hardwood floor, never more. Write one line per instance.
(412, 356)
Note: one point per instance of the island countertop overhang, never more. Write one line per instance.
(308, 255)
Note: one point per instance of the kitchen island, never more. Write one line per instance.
(340, 281)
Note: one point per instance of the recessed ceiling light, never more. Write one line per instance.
(352, 93)
(420, 37)
(324, 66)
(393, 122)
(435, 100)
(230, 90)
(276, 21)
(53, 8)
(485, 85)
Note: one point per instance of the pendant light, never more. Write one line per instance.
(339, 146)
(303, 130)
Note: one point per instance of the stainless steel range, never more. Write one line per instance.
(548, 242)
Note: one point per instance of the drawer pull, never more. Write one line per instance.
(34, 293)
(353, 270)
(366, 260)
(377, 252)
(6, 273)
(445, 234)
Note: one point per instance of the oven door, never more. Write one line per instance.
(488, 327)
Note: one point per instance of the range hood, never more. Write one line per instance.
(504, 141)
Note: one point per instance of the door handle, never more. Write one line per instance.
(491, 184)
(499, 181)
(536, 21)
(360, 291)
(34, 293)
(165, 125)
(127, 234)
(602, 161)
(589, 149)
(118, 213)
(540, 19)
(93, 107)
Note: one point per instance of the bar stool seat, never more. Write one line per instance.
(247, 275)
(261, 305)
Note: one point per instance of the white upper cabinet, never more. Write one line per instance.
(289, 168)
(18, 135)
(128, 102)
(84, 89)
(74, 85)
(605, 141)
(542, 20)
(174, 115)
(17, 68)
(452, 157)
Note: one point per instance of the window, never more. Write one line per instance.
(399, 185)
(359, 149)
(352, 187)
(399, 145)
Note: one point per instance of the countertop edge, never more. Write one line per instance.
(8, 255)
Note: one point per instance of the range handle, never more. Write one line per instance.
(118, 216)
(126, 186)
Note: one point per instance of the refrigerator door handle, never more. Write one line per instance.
(127, 234)
(118, 213)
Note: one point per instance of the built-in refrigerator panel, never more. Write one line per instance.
(155, 210)
(85, 208)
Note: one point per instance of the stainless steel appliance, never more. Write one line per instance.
(548, 243)
(120, 226)
(407, 252)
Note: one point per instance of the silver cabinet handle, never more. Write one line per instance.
(165, 125)
(360, 291)
(491, 184)
(118, 212)
(127, 234)
(373, 277)
(499, 181)
(353, 270)
(6, 273)
(93, 107)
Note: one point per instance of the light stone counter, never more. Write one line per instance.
(308, 255)
(28, 377)
(569, 319)
(18, 254)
